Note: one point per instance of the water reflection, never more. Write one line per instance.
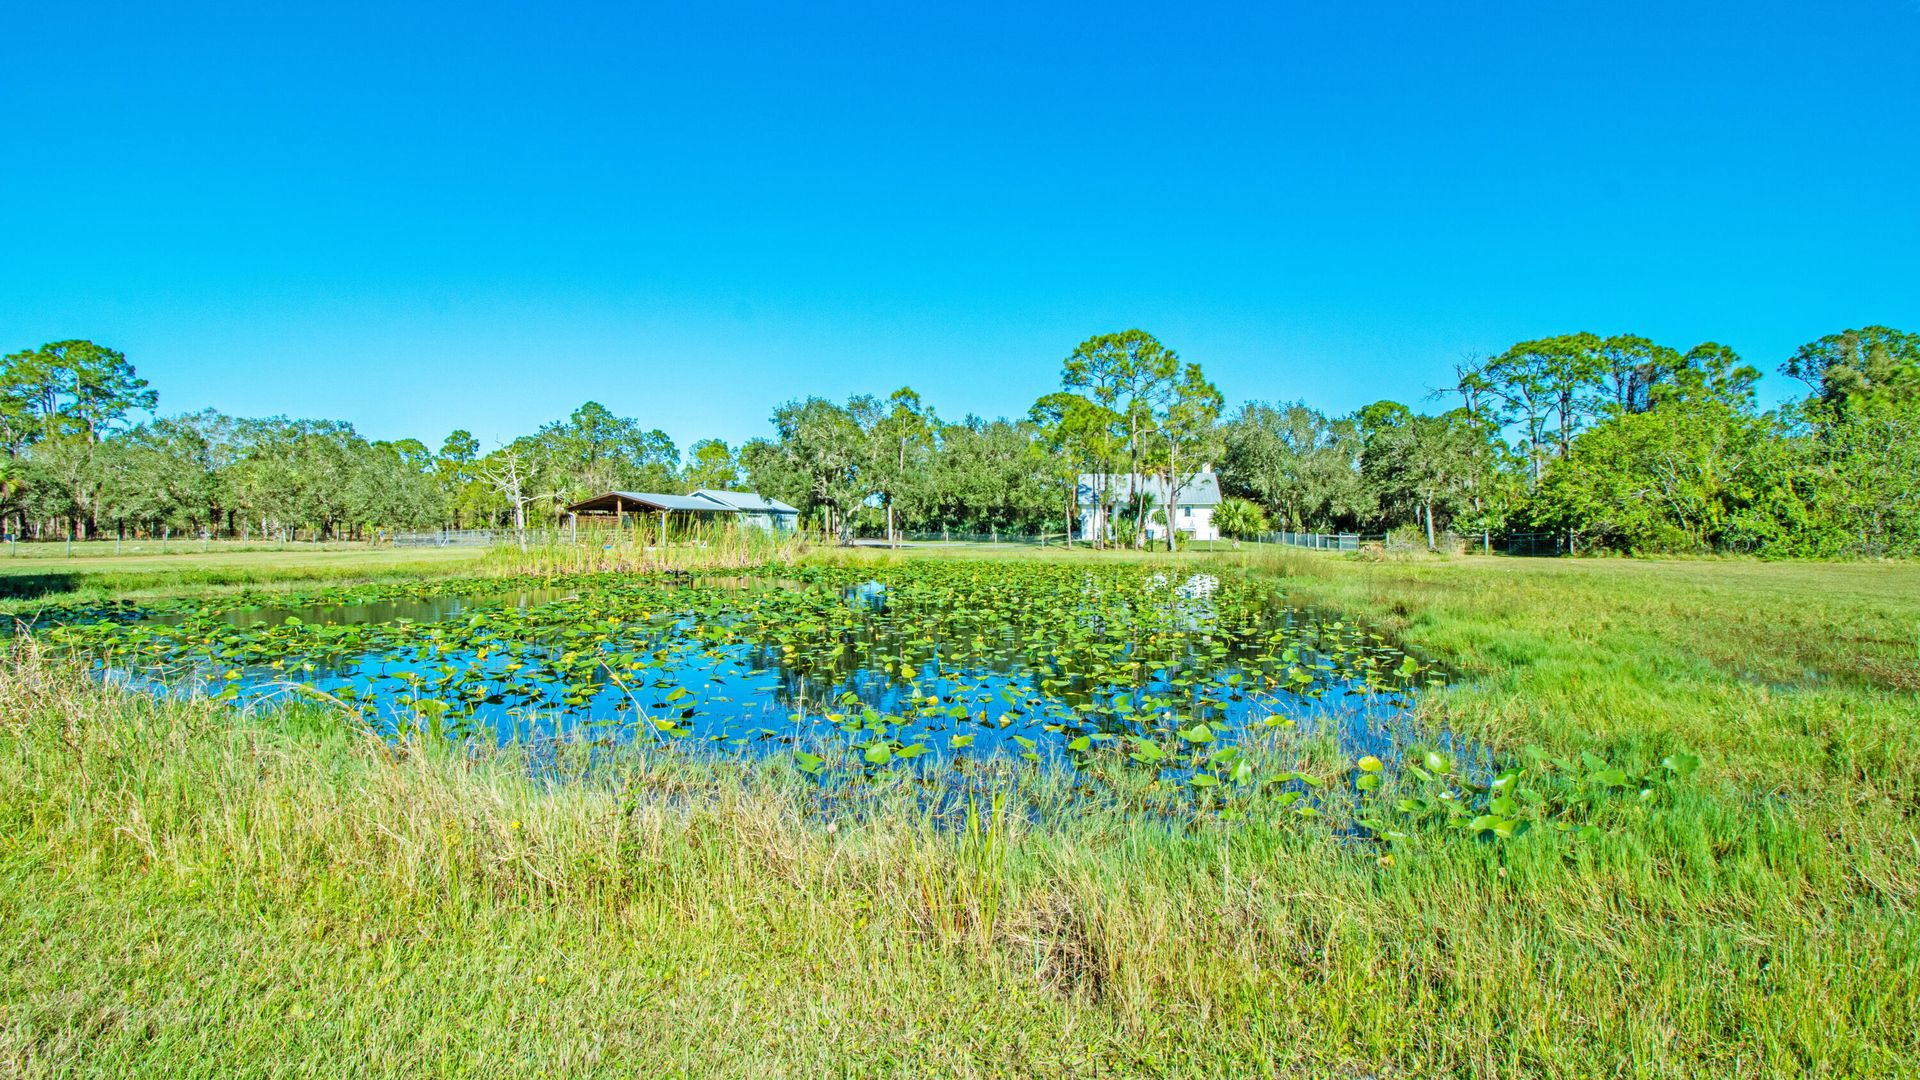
(940, 691)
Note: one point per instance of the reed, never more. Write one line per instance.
(187, 889)
(694, 547)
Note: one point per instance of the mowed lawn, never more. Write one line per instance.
(98, 559)
(40, 576)
(188, 891)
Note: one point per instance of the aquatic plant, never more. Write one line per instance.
(1165, 690)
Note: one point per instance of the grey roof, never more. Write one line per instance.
(652, 501)
(1200, 489)
(749, 501)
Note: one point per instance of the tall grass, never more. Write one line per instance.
(186, 889)
(696, 547)
(190, 890)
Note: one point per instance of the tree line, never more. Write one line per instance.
(1616, 443)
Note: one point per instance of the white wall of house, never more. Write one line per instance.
(1193, 523)
(1191, 517)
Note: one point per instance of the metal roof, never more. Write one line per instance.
(750, 501)
(650, 502)
(1200, 489)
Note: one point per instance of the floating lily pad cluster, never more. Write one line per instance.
(1566, 794)
(926, 662)
(1148, 689)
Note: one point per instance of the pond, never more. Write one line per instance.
(431, 608)
(923, 664)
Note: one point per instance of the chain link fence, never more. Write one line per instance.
(450, 538)
(1531, 543)
(1516, 543)
(1322, 541)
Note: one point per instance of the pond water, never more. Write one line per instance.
(396, 609)
(925, 664)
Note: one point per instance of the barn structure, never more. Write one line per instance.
(706, 506)
(616, 506)
(756, 509)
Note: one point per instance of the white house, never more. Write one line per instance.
(1190, 510)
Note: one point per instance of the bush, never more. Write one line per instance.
(1239, 518)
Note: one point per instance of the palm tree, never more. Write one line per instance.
(1239, 519)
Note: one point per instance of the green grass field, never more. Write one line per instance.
(189, 891)
(30, 584)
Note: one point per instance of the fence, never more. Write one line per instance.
(1532, 543)
(1322, 541)
(1521, 544)
(449, 538)
(948, 536)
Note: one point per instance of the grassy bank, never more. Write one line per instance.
(32, 584)
(27, 585)
(186, 890)
(97, 571)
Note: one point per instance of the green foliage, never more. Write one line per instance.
(711, 464)
(1670, 479)
(582, 908)
(67, 388)
(1418, 465)
(828, 446)
(1081, 436)
(1872, 362)
(1699, 470)
(1578, 798)
(1135, 382)
(1239, 518)
(1043, 656)
(594, 451)
(469, 496)
(989, 475)
(1610, 442)
(1296, 463)
(1858, 482)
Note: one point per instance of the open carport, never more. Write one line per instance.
(615, 506)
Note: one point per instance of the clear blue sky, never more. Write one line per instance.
(421, 217)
